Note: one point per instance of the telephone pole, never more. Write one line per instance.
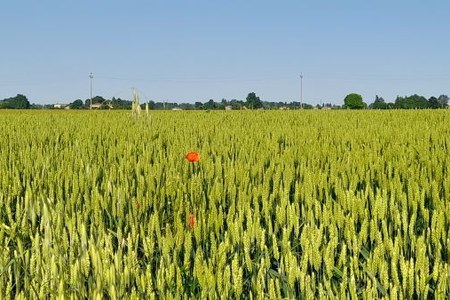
(91, 76)
(301, 90)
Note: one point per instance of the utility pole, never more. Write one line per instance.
(91, 76)
(301, 90)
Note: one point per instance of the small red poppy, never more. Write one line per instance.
(191, 221)
(192, 156)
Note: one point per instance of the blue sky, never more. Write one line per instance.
(187, 51)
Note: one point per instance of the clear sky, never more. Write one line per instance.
(187, 51)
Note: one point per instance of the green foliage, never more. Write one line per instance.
(433, 103)
(414, 101)
(378, 103)
(77, 104)
(95, 100)
(210, 104)
(440, 102)
(411, 102)
(118, 103)
(321, 205)
(18, 102)
(443, 101)
(353, 101)
(253, 102)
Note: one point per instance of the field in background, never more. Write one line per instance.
(287, 204)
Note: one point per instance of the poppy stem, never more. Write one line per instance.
(191, 196)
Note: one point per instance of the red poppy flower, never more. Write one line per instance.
(191, 221)
(192, 156)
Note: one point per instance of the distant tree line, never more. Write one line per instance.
(355, 101)
(252, 101)
(17, 102)
(411, 102)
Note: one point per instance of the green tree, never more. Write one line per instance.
(354, 101)
(400, 102)
(236, 104)
(433, 102)
(414, 101)
(118, 103)
(443, 100)
(198, 105)
(96, 99)
(253, 101)
(390, 105)
(151, 104)
(18, 102)
(379, 103)
(210, 104)
(77, 104)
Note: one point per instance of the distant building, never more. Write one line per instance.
(104, 104)
(96, 105)
(60, 105)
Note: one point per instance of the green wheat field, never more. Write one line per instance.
(287, 204)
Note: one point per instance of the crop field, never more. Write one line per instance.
(280, 204)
